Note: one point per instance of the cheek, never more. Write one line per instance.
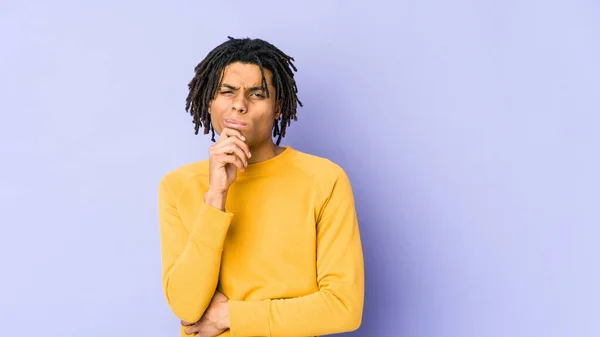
(216, 109)
(265, 124)
(219, 104)
(215, 117)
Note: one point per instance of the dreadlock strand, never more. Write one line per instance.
(262, 75)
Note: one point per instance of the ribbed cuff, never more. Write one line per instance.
(211, 227)
(249, 318)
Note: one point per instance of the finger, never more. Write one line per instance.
(207, 333)
(234, 149)
(231, 159)
(230, 147)
(184, 323)
(227, 133)
(192, 329)
(234, 140)
(195, 328)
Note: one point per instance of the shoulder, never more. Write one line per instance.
(180, 177)
(323, 171)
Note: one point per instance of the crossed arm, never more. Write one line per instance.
(191, 268)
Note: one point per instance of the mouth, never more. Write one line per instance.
(234, 124)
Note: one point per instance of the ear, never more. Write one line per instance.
(277, 111)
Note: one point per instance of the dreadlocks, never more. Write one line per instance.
(209, 74)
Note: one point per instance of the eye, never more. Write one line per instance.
(227, 92)
(259, 95)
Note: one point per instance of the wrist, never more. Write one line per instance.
(225, 318)
(215, 199)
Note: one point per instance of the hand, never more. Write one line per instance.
(215, 319)
(230, 151)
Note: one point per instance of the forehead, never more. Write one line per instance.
(244, 74)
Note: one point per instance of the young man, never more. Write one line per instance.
(259, 239)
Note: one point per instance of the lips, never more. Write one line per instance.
(234, 123)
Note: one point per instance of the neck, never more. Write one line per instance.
(264, 152)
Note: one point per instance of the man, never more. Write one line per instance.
(259, 239)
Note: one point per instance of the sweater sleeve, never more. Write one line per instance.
(337, 306)
(191, 260)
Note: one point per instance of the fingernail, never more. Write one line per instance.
(249, 154)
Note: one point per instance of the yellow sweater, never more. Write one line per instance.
(286, 251)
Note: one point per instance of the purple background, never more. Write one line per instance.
(469, 129)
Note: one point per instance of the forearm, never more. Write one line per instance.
(191, 282)
(190, 274)
(321, 313)
(216, 199)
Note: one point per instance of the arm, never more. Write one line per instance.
(337, 306)
(190, 260)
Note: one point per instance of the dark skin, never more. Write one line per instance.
(243, 116)
(241, 98)
(214, 321)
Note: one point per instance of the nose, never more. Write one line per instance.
(240, 104)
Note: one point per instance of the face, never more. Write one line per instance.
(240, 103)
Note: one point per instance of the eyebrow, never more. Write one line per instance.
(255, 88)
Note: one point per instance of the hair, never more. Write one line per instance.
(209, 75)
